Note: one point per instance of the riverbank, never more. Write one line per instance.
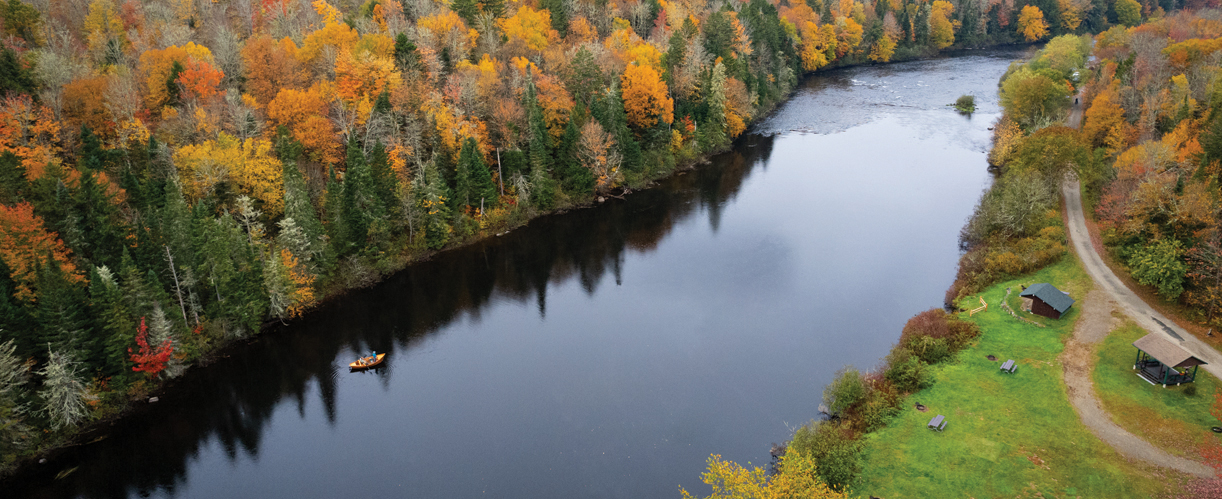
(357, 281)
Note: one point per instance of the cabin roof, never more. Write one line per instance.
(1049, 294)
(1166, 352)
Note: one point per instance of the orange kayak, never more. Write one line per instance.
(367, 362)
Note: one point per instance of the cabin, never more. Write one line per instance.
(1046, 300)
(1159, 361)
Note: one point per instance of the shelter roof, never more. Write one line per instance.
(1049, 294)
(1163, 350)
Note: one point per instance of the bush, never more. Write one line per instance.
(905, 371)
(966, 104)
(845, 390)
(832, 446)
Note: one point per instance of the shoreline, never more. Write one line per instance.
(98, 429)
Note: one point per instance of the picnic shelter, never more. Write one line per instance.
(1159, 361)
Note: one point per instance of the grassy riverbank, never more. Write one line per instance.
(1008, 435)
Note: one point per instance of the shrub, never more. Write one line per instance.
(966, 104)
(905, 371)
(845, 390)
(833, 448)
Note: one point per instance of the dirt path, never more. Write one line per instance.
(1078, 362)
(1095, 324)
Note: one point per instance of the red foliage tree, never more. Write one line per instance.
(150, 360)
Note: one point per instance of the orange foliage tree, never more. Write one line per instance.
(25, 246)
(645, 97)
(304, 113)
(30, 132)
(270, 67)
(84, 104)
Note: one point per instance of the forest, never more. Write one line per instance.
(175, 174)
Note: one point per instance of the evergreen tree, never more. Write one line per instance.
(468, 10)
(301, 214)
(474, 179)
(361, 205)
(407, 56)
(63, 393)
(99, 221)
(15, 77)
(560, 17)
(382, 177)
(60, 316)
(540, 140)
(920, 25)
(433, 198)
(114, 325)
(13, 185)
(576, 179)
(333, 208)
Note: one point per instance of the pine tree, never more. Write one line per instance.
(311, 247)
(434, 198)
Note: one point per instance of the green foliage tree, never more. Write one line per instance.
(1161, 264)
(1128, 12)
(1035, 98)
(847, 389)
(831, 445)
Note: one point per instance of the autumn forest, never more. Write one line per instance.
(174, 174)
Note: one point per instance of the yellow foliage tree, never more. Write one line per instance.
(157, 67)
(333, 38)
(818, 45)
(646, 97)
(1071, 15)
(532, 27)
(251, 165)
(798, 479)
(1104, 122)
(104, 31)
(1031, 23)
(883, 49)
(941, 30)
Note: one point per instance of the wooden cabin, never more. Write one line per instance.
(1161, 361)
(1046, 300)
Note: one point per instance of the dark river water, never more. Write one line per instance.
(605, 352)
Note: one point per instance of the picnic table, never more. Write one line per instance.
(1009, 367)
(937, 423)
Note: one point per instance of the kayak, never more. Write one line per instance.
(367, 362)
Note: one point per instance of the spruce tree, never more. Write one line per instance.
(540, 141)
(115, 326)
(299, 209)
(60, 313)
(577, 180)
(475, 181)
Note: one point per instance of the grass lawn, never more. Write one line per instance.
(1008, 435)
(1169, 417)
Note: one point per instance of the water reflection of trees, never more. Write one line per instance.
(232, 400)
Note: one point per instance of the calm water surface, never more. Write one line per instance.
(605, 352)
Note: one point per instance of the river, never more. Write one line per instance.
(604, 352)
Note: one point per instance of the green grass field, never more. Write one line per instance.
(1169, 418)
(1008, 435)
